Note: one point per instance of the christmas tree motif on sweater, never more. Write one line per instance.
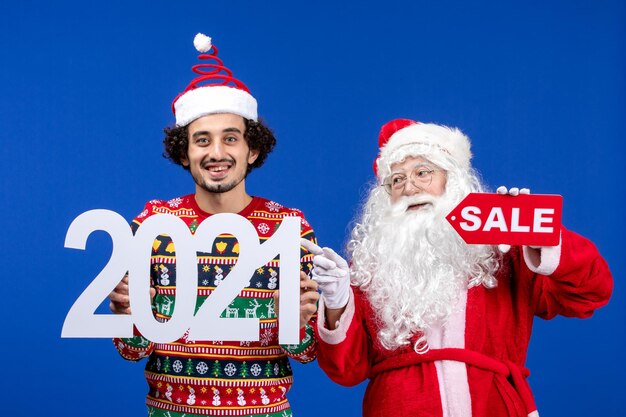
(191, 399)
(193, 226)
(189, 367)
(273, 279)
(268, 369)
(240, 400)
(165, 276)
(216, 372)
(219, 277)
(243, 371)
(166, 365)
(283, 370)
(216, 397)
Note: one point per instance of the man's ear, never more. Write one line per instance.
(184, 160)
(253, 155)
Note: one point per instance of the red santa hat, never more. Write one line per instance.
(400, 138)
(215, 90)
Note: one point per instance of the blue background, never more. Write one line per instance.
(540, 87)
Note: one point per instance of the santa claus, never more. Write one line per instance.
(440, 327)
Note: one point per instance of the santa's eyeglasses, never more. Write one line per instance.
(421, 176)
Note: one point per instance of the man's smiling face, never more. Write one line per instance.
(218, 154)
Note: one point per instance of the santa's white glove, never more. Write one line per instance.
(332, 274)
(513, 191)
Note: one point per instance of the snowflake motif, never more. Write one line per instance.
(206, 268)
(177, 366)
(259, 285)
(256, 369)
(263, 228)
(158, 364)
(253, 401)
(175, 202)
(304, 222)
(202, 368)
(229, 402)
(203, 402)
(143, 214)
(154, 201)
(265, 337)
(276, 369)
(273, 206)
(205, 282)
(244, 343)
(230, 369)
(179, 400)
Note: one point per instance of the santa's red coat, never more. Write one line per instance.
(474, 365)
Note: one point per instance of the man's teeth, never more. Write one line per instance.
(217, 169)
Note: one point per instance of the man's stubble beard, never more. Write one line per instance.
(218, 188)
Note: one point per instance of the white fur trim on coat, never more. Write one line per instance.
(338, 335)
(214, 99)
(549, 258)
(456, 400)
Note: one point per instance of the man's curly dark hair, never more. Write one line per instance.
(258, 137)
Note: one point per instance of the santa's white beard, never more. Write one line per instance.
(413, 266)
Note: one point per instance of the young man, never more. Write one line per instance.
(219, 140)
(440, 327)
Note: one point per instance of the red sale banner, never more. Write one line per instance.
(492, 219)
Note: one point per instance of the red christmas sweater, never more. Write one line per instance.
(222, 378)
(474, 365)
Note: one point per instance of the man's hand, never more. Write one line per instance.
(119, 299)
(332, 274)
(308, 299)
(514, 191)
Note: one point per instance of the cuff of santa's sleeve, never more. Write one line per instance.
(333, 337)
(549, 258)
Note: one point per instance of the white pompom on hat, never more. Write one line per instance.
(215, 90)
(415, 138)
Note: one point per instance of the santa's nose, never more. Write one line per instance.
(411, 189)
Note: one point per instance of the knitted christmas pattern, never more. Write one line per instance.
(224, 378)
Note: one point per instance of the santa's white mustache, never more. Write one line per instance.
(402, 205)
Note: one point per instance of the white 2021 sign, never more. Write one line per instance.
(132, 253)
